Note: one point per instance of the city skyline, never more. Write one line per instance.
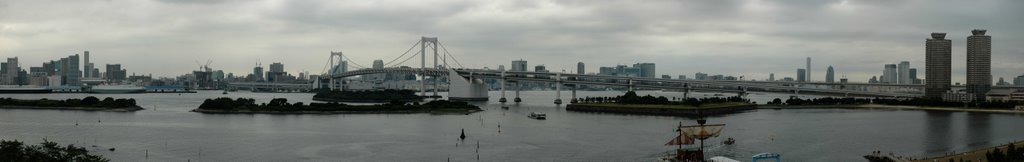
(302, 39)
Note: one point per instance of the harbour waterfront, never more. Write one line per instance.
(168, 132)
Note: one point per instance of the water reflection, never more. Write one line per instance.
(979, 129)
(938, 131)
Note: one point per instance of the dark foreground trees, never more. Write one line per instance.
(282, 105)
(74, 102)
(632, 98)
(16, 151)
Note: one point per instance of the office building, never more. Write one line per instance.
(801, 75)
(9, 71)
(830, 75)
(519, 65)
(979, 63)
(580, 68)
(938, 65)
(903, 73)
(681, 77)
(700, 76)
(889, 74)
(540, 68)
(1018, 81)
(771, 76)
(807, 77)
(913, 76)
(646, 69)
(257, 73)
(115, 74)
(666, 77)
(276, 67)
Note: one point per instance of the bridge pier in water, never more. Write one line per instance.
(518, 87)
(503, 84)
(558, 89)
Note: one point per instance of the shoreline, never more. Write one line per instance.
(896, 107)
(124, 109)
(685, 112)
(971, 155)
(330, 112)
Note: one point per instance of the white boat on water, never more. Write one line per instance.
(117, 89)
(538, 116)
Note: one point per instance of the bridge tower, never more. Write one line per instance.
(340, 67)
(423, 63)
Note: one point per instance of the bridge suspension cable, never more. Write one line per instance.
(403, 54)
(407, 59)
(450, 55)
(352, 63)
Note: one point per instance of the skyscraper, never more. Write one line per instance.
(830, 75)
(771, 76)
(807, 77)
(519, 65)
(580, 68)
(979, 63)
(87, 70)
(938, 65)
(801, 75)
(903, 76)
(889, 74)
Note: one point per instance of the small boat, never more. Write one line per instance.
(538, 116)
(729, 141)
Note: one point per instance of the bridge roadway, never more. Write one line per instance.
(258, 86)
(637, 82)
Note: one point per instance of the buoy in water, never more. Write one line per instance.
(111, 149)
(463, 136)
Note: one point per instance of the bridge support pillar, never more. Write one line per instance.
(518, 87)
(503, 84)
(574, 100)
(466, 88)
(558, 88)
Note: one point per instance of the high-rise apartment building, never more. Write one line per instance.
(807, 76)
(938, 65)
(979, 63)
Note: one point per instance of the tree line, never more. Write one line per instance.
(632, 98)
(281, 104)
(16, 151)
(74, 102)
(889, 101)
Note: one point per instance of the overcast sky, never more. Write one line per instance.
(749, 38)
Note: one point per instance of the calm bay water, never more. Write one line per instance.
(170, 133)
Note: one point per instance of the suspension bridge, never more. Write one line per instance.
(468, 83)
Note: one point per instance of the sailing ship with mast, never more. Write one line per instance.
(688, 135)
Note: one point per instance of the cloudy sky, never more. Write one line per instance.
(749, 38)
